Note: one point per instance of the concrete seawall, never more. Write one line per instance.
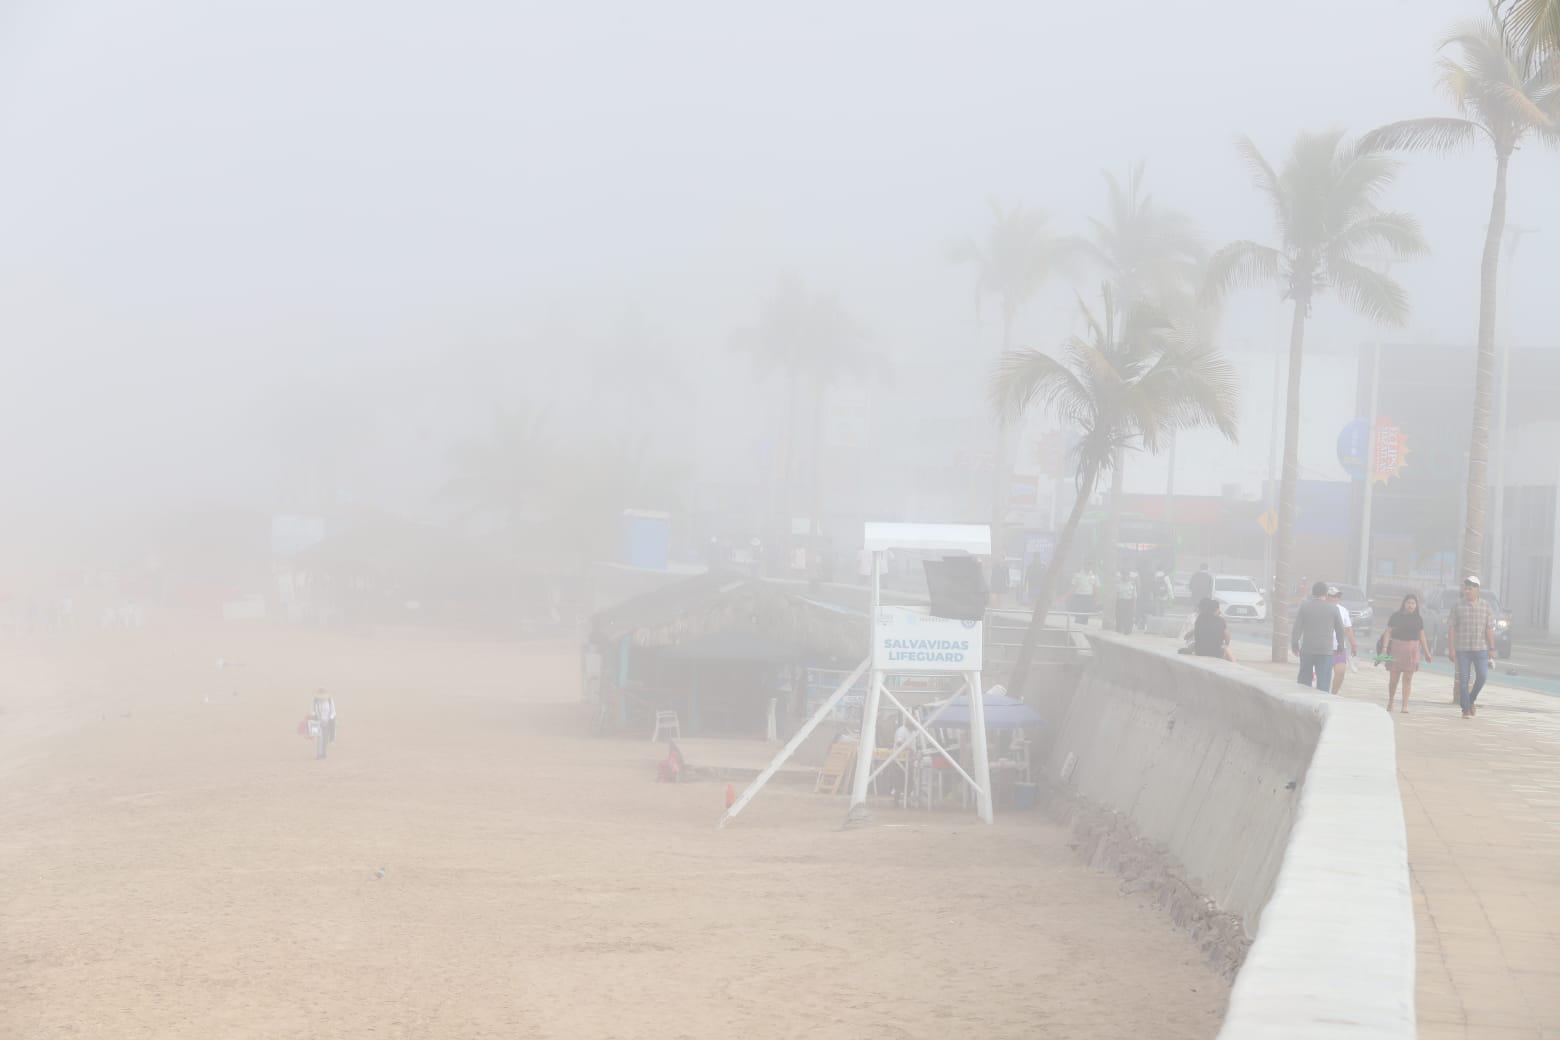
(1281, 807)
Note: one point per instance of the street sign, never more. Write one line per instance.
(1268, 521)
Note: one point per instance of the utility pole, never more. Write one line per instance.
(1362, 578)
(1366, 502)
(1497, 556)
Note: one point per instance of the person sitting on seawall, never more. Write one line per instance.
(1210, 632)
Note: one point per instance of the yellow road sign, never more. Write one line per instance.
(1268, 521)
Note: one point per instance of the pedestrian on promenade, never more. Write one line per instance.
(1034, 576)
(1210, 632)
(1126, 602)
(1164, 593)
(1342, 649)
(1471, 637)
(1145, 599)
(1200, 585)
(1081, 602)
(1315, 633)
(1405, 637)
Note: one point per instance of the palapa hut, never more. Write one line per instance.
(717, 649)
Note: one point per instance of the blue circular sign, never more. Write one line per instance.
(1353, 446)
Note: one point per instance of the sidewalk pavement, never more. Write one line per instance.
(1481, 799)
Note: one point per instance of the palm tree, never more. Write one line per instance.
(1018, 254)
(813, 340)
(1133, 379)
(1325, 209)
(1152, 254)
(1503, 96)
(1533, 24)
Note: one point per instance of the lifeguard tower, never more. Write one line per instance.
(908, 641)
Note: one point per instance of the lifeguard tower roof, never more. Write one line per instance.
(974, 539)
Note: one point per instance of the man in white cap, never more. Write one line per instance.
(1341, 652)
(1471, 639)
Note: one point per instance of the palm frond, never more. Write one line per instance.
(1239, 265)
(1432, 134)
(1536, 26)
(1026, 378)
(1396, 233)
(1266, 180)
(1368, 292)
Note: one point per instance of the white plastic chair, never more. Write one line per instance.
(667, 721)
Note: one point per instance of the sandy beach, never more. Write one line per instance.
(174, 864)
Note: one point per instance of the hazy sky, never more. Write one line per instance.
(217, 216)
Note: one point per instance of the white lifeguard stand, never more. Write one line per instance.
(910, 641)
(907, 641)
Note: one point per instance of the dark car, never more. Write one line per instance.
(1437, 607)
(1361, 614)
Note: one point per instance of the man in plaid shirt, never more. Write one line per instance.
(1471, 637)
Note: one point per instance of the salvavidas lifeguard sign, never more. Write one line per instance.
(909, 640)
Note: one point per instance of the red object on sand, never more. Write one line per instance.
(731, 795)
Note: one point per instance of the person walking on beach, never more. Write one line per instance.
(323, 719)
(1471, 637)
(1405, 637)
(1316, 632)
(1342, 652)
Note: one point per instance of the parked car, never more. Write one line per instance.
(1361, 614)
(1437, 607)
(1240, 596)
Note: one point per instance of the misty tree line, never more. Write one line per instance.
(1501, 76)
(1145, 367)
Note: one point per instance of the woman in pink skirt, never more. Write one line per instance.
(1405, 638)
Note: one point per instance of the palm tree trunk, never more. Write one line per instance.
(782, 544)
(1284, 556)
(813, 524)
(1047, 590)
(1484, 380)
(1110, 554)
(1000, 477)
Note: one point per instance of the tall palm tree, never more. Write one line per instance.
(1149, 253)
(1017, 255)
(1129, 382)
(813, 340)
(1503, 96)
(1325, 210)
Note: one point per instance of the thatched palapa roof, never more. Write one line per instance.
(720, 615)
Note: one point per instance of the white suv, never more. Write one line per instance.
(1241, 598)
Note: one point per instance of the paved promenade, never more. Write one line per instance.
(1481, 798)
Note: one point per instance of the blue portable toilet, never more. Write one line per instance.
(647, 539)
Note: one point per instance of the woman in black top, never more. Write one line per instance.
(1405, 637)
(1210, 632)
